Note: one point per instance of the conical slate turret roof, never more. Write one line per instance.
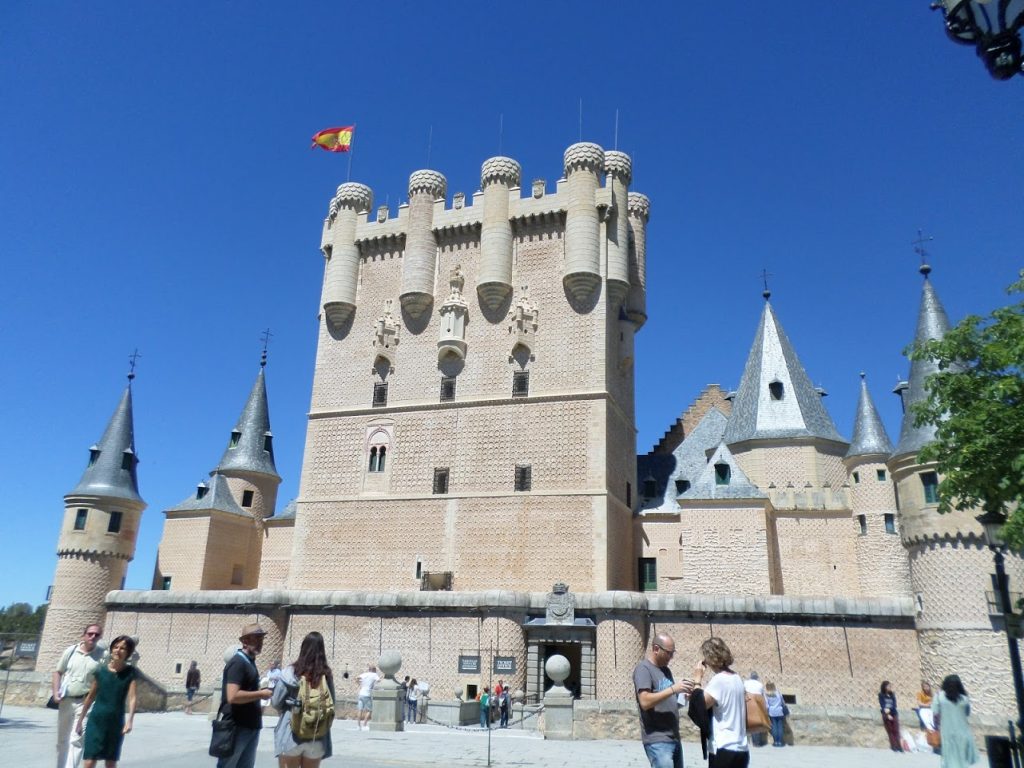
(932, 323)
(214, 495)
(869, 435)
(775, 398)
(112, 461)
(250, 448)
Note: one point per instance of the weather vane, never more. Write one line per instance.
(132, 359)
(265, 338)
(765, 274)
(919, 249)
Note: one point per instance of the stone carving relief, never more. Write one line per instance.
(523, 321)
(385, 336)
(561, 608)
(453, 318)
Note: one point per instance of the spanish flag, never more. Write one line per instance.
(334, 139)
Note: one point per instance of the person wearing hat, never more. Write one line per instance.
(241, 698)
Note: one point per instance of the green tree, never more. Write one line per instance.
(20, 618)
(976, 404)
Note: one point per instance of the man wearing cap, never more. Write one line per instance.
(241, 698)
(71, 681)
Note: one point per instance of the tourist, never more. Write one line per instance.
(411, 700)
(364, 699)
(924, 706)
(485, 708)
(71, 682)
(503, 706)
(754, 685)
(192, 678)
(241, 698)
(657, 697)
(952, 708)
(724, 696)
(890, 716)
(112, 686)
(311, 665)
(777, 711)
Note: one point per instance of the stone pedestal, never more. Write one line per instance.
(388, 697)
(558, 700)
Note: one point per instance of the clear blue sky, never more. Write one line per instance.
(157, 191)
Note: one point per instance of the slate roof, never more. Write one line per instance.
(106, 475)
(932, 323)
(686, 462)
(800, 411)
(217, 498)
(738, 487)
(869, 435)
(253, 427)
(288, 513)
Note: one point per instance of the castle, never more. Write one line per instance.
(474, 394)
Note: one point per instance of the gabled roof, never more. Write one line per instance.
(798, 412)
(217, 498)
(247, 453)
(107, 474)
(288, 513)
(708, 487)
(932, 323)
(869, 435)
(686, 462)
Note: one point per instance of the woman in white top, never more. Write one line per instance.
(724, 696)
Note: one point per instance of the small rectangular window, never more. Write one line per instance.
(80, 517)
(268, 444)
(126, 460)
(235, 437)
(237, 573)
(447, 389)
(247, 498)
(890, 523)
(380, 395)
(682, 486)
(648, 574)
(880, 473)
(629, 494)
(862, 521)
(930, 481)
(524, 481)
(723, 474)
(114, 526)
(419, 568)
(166, 583)
(520, 383)
(441, 480)
(94, 453)
(177, 667)
(856, 477)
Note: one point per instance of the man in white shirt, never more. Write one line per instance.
(364, 704)
(70, 683)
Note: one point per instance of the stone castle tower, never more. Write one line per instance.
(97, 538)
(476, 435)
(214, 538)
(949, 562)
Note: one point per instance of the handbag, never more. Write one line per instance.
(52, 703)
(785, 710)
(222, 740)
(757, 713)
(934, 739)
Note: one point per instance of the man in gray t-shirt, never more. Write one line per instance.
(656, 696)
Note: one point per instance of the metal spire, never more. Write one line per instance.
(919, 249)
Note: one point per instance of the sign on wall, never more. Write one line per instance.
(469, 665)
(504, 665)
(26, 649)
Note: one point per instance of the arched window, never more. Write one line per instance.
(373, 459)
(380, 458)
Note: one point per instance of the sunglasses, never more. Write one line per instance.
(666, 650)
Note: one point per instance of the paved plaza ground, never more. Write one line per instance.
(176, 740)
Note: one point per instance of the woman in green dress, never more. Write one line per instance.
(113, 685)
(952, 708)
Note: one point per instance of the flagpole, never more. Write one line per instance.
(501, 130)
(616, 129)
(430, 141)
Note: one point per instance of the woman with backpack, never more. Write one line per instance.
(304, 696)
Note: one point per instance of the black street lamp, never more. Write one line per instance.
(993, 522)
(992, 27)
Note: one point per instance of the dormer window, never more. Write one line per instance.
(723, 473)
(650, 487)
(235, 437)
(247, 498)
(94, 454)
(127, 460)
(201, 490)
(776, 390)
(682, 486)
(268, 444)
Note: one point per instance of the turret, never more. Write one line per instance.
(420, 258)
(97, 538)
(584, 163)
(619, 170)
(882, 565)
(639, 210)
(341, 274)
(498, 177)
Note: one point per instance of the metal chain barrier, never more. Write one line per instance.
(478, 729)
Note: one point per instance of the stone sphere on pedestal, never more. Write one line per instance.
(230, 651)
(389, 663)
(518, 696)
(557, 668)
